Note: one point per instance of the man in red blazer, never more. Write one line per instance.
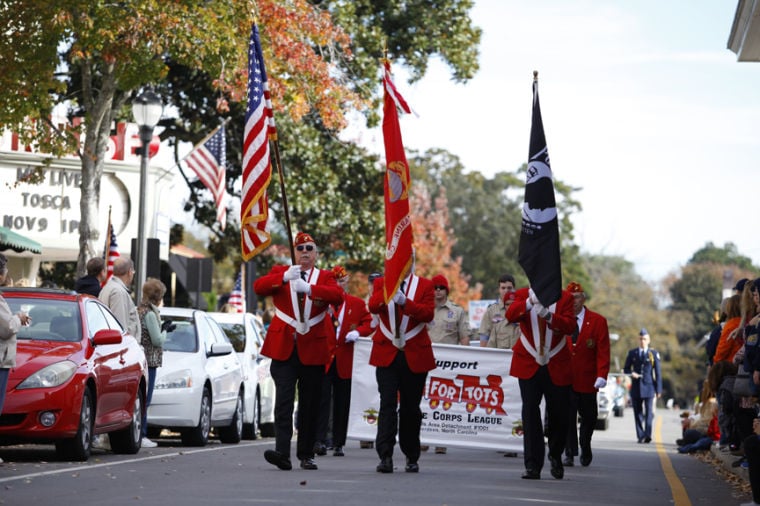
(349, 321)
(541, 363)
(297, 343)
(590, 351)
(402, 354)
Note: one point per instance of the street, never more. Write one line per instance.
(623, 472)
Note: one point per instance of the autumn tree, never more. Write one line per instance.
(433, 242)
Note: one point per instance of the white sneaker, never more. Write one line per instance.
(101, 442)
(147, 443)
(1, 461)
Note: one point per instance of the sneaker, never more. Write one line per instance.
(1, 461)
(147, 443)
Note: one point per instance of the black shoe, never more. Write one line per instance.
(647, 439)
(338, 452)
(586, 458)
(412, 467)
(530, 474)
(320, 449)
(641, 440)
(385, 465)
(278, 459)
(568, 462)
(679, 442)
(557, 470)
(308, 464)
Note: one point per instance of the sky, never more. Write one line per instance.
(645, 111)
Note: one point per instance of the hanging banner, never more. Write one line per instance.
(470, 400)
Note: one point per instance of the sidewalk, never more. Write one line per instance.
(725, 460)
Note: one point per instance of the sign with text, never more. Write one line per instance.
(469, 399)
(476, 310)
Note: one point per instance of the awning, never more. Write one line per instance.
(17, 242)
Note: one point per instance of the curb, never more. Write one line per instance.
(726, 460)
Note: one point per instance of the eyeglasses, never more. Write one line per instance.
(307, 247)
(440, 287)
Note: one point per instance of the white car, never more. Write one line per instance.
(246, 332)
(200, 384)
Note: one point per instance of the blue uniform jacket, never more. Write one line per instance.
(650, 382)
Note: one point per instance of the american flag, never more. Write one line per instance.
(257, 167)
(209, 162)
(237, 297)
(111, 251)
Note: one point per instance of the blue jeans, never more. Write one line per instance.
(148, 398)
(3, 383)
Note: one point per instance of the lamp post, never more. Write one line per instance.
(146, 110)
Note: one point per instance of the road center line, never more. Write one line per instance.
(677, 489)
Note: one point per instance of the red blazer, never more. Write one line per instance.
(590, 353)
(420, 309)
(312, 346)
(355, 317)
(524, 364)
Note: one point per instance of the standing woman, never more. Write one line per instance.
(9, 326)
(153, 334)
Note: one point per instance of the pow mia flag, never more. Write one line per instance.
(539, 238)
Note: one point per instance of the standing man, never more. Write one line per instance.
(589, 347)
(495, 330)
(115, 295)
(643, 364)
(350, 320)
(96, 275)
(541, 363)
(449, 325)
(297, 344)
(402, 354)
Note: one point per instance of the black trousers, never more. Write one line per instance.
(400, 395)
(752, 452)
(336, 392)
(583, 408)
(287, 375)
(557, 400)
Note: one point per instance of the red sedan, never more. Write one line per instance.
(77, 374)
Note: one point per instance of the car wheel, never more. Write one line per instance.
(602, 423)
(198, 436)
(251, 430)
(78, 448)
(267, 429)
(234, 431)
(128, 440)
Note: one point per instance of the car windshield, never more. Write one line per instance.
(52, 320)
(183, 338)
(236, 334)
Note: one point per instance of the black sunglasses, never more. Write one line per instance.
(440, 287)
(307, 247)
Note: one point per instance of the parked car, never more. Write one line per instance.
(200, 382)
(604, 407)
(78, 374)
(616, 385)
(245, 332)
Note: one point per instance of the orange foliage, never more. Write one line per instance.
(433, 241)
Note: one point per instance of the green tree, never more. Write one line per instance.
(728, 255)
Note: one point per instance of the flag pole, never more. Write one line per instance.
(108, 238)
(276, 150)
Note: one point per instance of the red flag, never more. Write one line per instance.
(209, 162)
(111, 251)
(257, 165)
(398, 223)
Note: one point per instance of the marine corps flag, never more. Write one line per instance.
(398, 224)
(539, 238)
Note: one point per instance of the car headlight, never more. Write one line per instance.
(179, 379)
(50, 376)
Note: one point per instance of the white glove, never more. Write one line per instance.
(352, 336)
(532, 297)
(293, 272)
(600, 383)
(302, 286)
(399, 298)
(542, 311)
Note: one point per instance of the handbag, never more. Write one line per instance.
(742, 386)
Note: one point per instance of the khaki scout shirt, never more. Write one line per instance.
(449, 325)
(501, 334)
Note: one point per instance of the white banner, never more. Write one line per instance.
(476, 310)
(470, 400)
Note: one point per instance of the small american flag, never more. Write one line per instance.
(237, 297)
(209, 162)
(111, 251)
(257, 166)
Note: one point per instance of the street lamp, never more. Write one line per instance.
(146, 110)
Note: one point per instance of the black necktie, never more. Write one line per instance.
(303, 275)
(403, 284)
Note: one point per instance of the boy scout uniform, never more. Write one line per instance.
(501, 334)
(449, 323)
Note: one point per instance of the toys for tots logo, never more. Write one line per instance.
(467, 389)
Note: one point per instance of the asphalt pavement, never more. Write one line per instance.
(623, 472)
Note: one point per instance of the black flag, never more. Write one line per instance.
(539, 238)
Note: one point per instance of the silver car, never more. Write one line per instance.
(200, 384)
(246, 332)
